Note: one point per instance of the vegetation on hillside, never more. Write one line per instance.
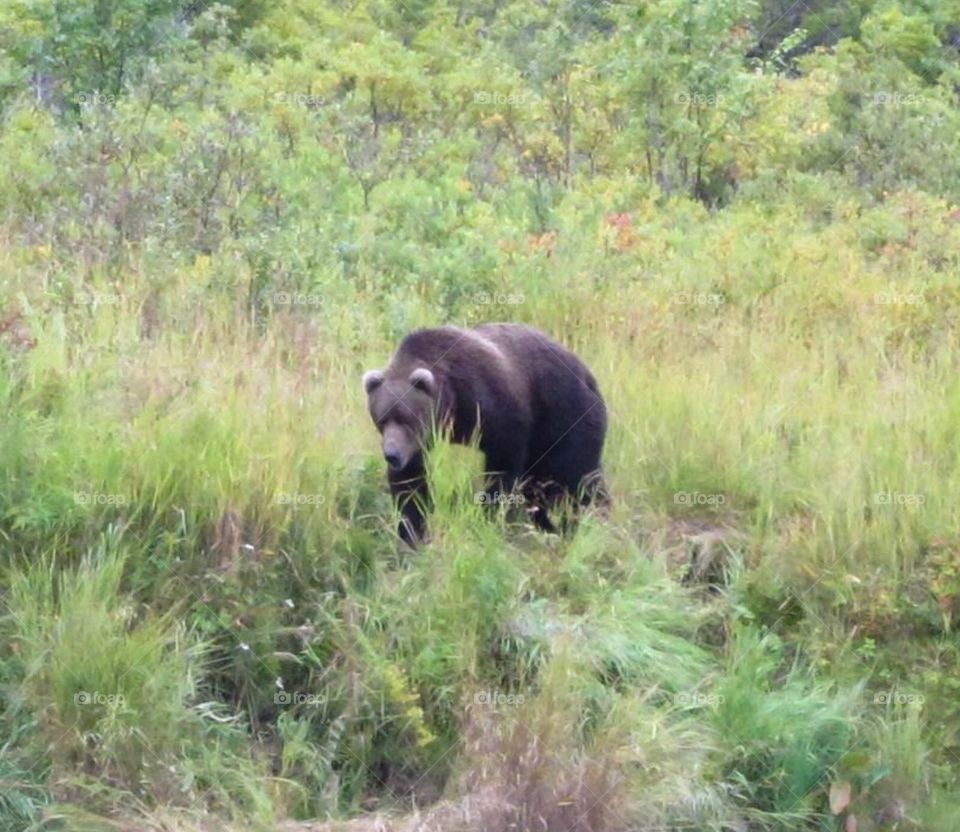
(745, 217)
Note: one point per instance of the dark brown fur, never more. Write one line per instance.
(542, 420)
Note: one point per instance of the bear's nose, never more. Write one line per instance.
(392, 458)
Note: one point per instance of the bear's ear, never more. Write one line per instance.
(424, 380)
(372, 379)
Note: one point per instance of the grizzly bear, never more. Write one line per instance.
(540, 418)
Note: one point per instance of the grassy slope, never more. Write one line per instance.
(777, 389)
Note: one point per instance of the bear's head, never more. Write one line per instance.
(402, 409)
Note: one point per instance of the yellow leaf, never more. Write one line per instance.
(839, 796)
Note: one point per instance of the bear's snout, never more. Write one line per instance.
(393, 458)
(396, 447)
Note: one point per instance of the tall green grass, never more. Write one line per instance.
(194, 518)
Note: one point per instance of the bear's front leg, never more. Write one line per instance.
(410, 493)
(503, 480)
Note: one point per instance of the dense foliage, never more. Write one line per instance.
(744, 215)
